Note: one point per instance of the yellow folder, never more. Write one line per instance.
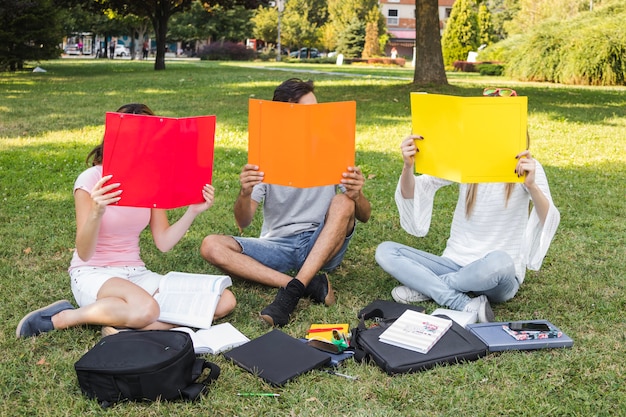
(301, 145)
(469, 139)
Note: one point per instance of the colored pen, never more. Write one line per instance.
(257, 394)
(354, 378)
(324, 329)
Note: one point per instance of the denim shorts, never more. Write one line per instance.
(86, 281)
(289, 253)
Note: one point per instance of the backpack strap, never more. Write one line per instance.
(195, 390)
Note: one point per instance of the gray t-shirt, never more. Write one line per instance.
(288, 210)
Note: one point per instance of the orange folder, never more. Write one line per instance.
(301, 145)
(160, 162)
(469, 139)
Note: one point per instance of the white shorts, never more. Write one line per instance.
(86, 281)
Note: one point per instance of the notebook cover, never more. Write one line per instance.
(498, 340)
(277, 357)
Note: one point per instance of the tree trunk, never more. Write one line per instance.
(429, 67)
(160, 29)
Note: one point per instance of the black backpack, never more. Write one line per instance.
(143, 366)
(456, 345)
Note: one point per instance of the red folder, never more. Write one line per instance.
(160, 162)
(301, 145)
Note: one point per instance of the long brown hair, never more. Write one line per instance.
(470, 196)
(95, 156)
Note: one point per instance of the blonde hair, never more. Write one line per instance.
(470, 197)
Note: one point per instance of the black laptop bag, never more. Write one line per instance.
(144, 366)
(456, 345)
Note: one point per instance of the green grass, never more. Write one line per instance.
(49, 122)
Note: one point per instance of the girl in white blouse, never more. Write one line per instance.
(493, 239)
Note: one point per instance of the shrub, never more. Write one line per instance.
(226, 51)
(490, 69)
(589, 50)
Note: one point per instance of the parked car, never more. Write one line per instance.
(71, 50)
(121, 50)
(305, 53)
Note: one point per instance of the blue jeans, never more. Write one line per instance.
(289, 253)
(446, 282)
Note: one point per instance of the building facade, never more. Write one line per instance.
(400, 15)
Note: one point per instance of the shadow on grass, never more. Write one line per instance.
(75, 95)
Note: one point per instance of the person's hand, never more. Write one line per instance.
(208, 193)
(526, 166)
(249, 177)
(353, 180)
(409, 149)
(102, 195)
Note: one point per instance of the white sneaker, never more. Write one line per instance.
(480, 305)
(406, 295)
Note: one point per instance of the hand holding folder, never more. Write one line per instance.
(301, 145)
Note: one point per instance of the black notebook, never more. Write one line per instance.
(277, 357)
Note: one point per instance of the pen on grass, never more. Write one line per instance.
(257, 394)
(354, 378)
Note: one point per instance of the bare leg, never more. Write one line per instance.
(120, 303)
(225, 253)
(339, 223)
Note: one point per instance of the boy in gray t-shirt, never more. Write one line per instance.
(306, 230)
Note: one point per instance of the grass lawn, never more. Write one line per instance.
(49, 122)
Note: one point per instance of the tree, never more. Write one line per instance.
(159, 12)
(298, 27)
(372, 47)
(485, 26)
(461, 33)
(351, 41)
(429, 67)
(265, 23)
(348, 18)
(29, 30)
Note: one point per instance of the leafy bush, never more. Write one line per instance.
(490, 69)
(226, 51)
(588, 50)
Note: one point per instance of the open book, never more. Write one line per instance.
(190, 299)
(415, 331)
(218, 338)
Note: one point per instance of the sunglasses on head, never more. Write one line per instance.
(499, 92)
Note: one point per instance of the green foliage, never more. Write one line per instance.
(265, 22)
(559, 51)
(490, 69)
(485, 26)
(50, 121)
(461, 33)
(29, 30)
(218, 22)
(502, 12)
(351, 40)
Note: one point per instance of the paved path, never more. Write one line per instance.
(343, 74)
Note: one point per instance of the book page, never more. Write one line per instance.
(217, 339)
(190, 299)
(189, 282)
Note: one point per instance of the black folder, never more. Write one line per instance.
(277, 357)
